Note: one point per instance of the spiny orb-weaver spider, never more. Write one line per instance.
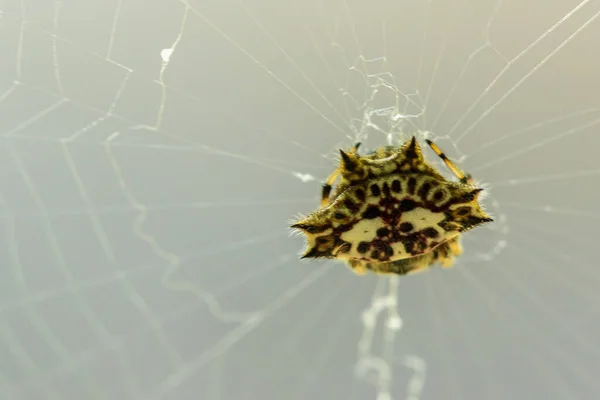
(392, 212)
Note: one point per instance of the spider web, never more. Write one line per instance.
(153, 154)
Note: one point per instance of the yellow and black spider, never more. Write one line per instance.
(392, 212)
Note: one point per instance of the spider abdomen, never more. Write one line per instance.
(392, 206)
(390, 218)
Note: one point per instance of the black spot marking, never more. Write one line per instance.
(384, 249)
(406, 227)
(375, 254)
(407, 205)
(342, 228)
(360, 194)
(389, 251)
(396, 186)
(375, 191)
(351, 206)
(409, 245)
(430, 232)
(438, 195)
(372, 212)
(323, 240)
(463, 211)
(386, 190)
(383, 232)
(345, 248)
(424, 190)
(363, 247)
(412, 183)
(449, 226)
(339, 215)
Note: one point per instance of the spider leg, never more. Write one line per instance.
(327, 185)
(462, 177)
(326, 189)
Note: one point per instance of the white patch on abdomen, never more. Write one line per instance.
(364, 230)
(422, 218)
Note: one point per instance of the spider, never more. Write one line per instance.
(392, 212)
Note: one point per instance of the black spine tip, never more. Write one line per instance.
(349, 164)
(411, 150)
(470, 196)
(308, 228)
(303, 227)
(312, 253)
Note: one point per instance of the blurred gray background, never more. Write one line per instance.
(152, 154)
